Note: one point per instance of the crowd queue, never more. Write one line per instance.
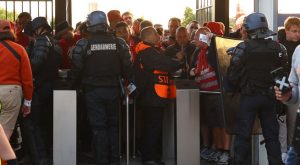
(108, 51)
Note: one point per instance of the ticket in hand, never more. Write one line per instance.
(130, 88)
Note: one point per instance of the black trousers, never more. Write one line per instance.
(264, 107)
(152, 133)
(38, 126)
(103, 114)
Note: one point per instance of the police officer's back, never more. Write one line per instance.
(44, 57)
(250, 71)
(98, 63)
(45, 61)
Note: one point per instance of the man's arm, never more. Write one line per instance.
(235, 69)
(39, 53)
(156, 61)
(294, 77)
(77, 57)
(291, 97)
(284, 59)
(125, 59)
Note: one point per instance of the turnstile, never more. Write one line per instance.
(64, 127)
(181, 126)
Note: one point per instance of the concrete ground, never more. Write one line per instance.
(137, 161)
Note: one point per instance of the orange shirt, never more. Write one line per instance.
(15, 72)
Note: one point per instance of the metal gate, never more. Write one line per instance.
(10, 9)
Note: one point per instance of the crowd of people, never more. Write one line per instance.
(107, 52)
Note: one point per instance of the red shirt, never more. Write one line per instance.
(66, 45)
(22, 39)
(133, 41)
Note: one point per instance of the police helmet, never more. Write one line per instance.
(97, 21)
(256, 25)
(40, 22)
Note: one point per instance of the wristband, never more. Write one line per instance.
(27, 103)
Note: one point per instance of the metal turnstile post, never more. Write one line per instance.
(64, 127)
(183, 121)
(120, 131)
(127, 130)
(187, 123)
(255, 150)
(134, 127)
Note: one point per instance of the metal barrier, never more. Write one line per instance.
(64, 127)
(177, 146)
(36, 8)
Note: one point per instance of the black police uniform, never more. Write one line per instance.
(98, 64)
(249, 70)
(38, 126)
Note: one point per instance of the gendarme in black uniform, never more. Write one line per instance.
(249, 70)
(45, 59)
(98, 63)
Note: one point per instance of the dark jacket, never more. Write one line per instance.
(152, 60)
(100, 61)
(251, 65)
(44, 59)
(189, 49)
(290, 47)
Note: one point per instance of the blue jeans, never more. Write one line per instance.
(103, 114)
(293, 157)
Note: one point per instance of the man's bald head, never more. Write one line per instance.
(145, 23)
(150, 35)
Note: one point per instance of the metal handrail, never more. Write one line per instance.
(210, 92)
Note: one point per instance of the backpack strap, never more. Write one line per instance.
(17, 56)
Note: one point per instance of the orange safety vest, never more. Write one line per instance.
(164, 86)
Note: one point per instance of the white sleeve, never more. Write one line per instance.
(294, 76)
